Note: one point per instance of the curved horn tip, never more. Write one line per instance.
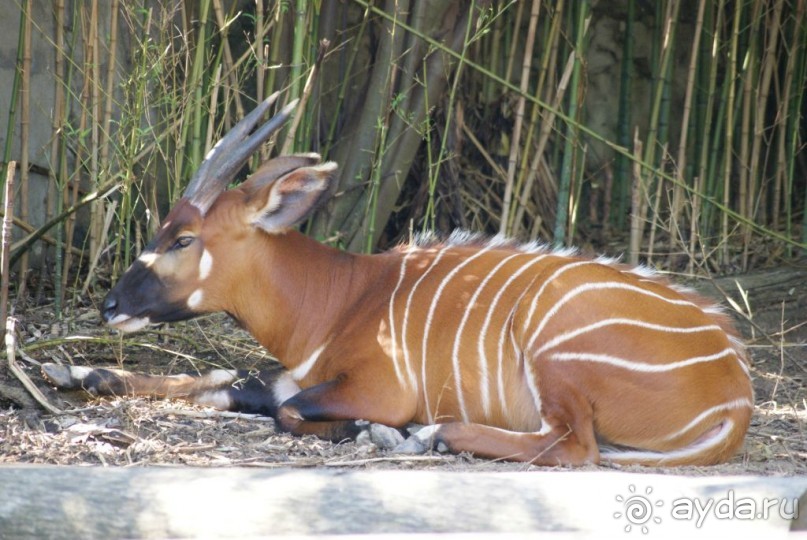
(290, 106)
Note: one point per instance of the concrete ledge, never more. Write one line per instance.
(73, 502)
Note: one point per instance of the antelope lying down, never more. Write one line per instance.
(505, 351)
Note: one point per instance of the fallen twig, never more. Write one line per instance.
(11, 346)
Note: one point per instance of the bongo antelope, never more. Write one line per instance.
(503, 350)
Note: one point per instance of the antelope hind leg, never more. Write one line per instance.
(555, 446)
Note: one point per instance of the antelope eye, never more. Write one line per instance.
(182, 242)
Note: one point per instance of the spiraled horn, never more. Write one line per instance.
(232, 151)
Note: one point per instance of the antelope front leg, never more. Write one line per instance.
(231, 390)
(337, 410)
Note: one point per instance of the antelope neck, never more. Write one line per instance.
(311, 286)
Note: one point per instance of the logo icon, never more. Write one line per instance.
(638, 509)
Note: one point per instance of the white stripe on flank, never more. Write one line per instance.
(483, 361)
(394, 355)
(430, 316)
(302, 370)
(518, 353)
(599, 286)
(545, 284)
(632, 456)
(625, 322)
(638, 366)
(455, 353)
(404, 329)
(735, 404)
(532, 384)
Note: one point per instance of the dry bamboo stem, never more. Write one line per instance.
(515, 140)
(309, 85)
(8, 201)
(110, 82)
(651, 241)
(546, 131)
(546, 72)
(91, 72)
(692, 75)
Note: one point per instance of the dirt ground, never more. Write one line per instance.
(141, 432)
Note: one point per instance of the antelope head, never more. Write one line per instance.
(170, 279)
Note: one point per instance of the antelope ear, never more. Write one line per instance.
(285, 202)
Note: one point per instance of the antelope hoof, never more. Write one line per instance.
(65, 377)
(383, 437)
(421, 441)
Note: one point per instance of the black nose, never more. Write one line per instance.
(109, 308)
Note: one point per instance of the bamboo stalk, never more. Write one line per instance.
(92, 73)
(55, 191)
(572, 132)
(548, 65)
(654, 133)
(543, 139)
(749, 81)
(635, 203)
(297, 56)
(260, 60)
(346, 77)
(706, 166)
(515, 139)
(111, 82)
(197, 82)
(434, 168)
(693, 225)
(71, 195)
(508, 72)
(25, 129)
(800, 54)
(731, 73)
(15, 93)
(681, 160)
(309, 85)
(769, 63)
(623, 123)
